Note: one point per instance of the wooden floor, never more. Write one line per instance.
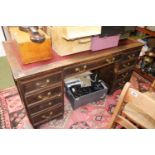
(6, 79)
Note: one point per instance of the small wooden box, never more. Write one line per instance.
(30, 51)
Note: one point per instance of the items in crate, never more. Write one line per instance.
(32, 47)
(85, 88)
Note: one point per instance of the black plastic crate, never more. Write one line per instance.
(87, 98)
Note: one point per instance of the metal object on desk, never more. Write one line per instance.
(35, 36)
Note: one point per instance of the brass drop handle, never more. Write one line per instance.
(46, 117)
(49, 93)
(50, 103)
(59, 95)
(108, 60)
(42, 106)
(47, 81)
(77, 69)
(113, 59)
(124, 75)
(51, 113)
(43, 116)
(40, 97)
(126, 65)
(38, 84)
(130, 56)
(85, 66)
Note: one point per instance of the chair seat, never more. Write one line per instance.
(138, 116)
(150, 94)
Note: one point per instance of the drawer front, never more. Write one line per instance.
(89, 66)
(44, 95)
(124, 75)
(127, 64)
(131, 55)
(119, 84)
(47, 115)
(44, 81)
(121, 79)
(34, 108)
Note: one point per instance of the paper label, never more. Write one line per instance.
(133, 93)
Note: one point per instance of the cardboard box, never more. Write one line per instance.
(70, 40)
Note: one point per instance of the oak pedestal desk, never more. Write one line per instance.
(41, 85)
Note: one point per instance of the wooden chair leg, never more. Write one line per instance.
(119, 105)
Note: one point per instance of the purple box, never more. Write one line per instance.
(99, 43)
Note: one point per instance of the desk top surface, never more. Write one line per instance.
(19, 70)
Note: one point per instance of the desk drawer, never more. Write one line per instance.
(34, 108)
(132, 54)
(121, 79)
(47, 115)
(124, 75)
(68, 71)
(41, 82)
(127, 64)
(44, 95)
(119, 84)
